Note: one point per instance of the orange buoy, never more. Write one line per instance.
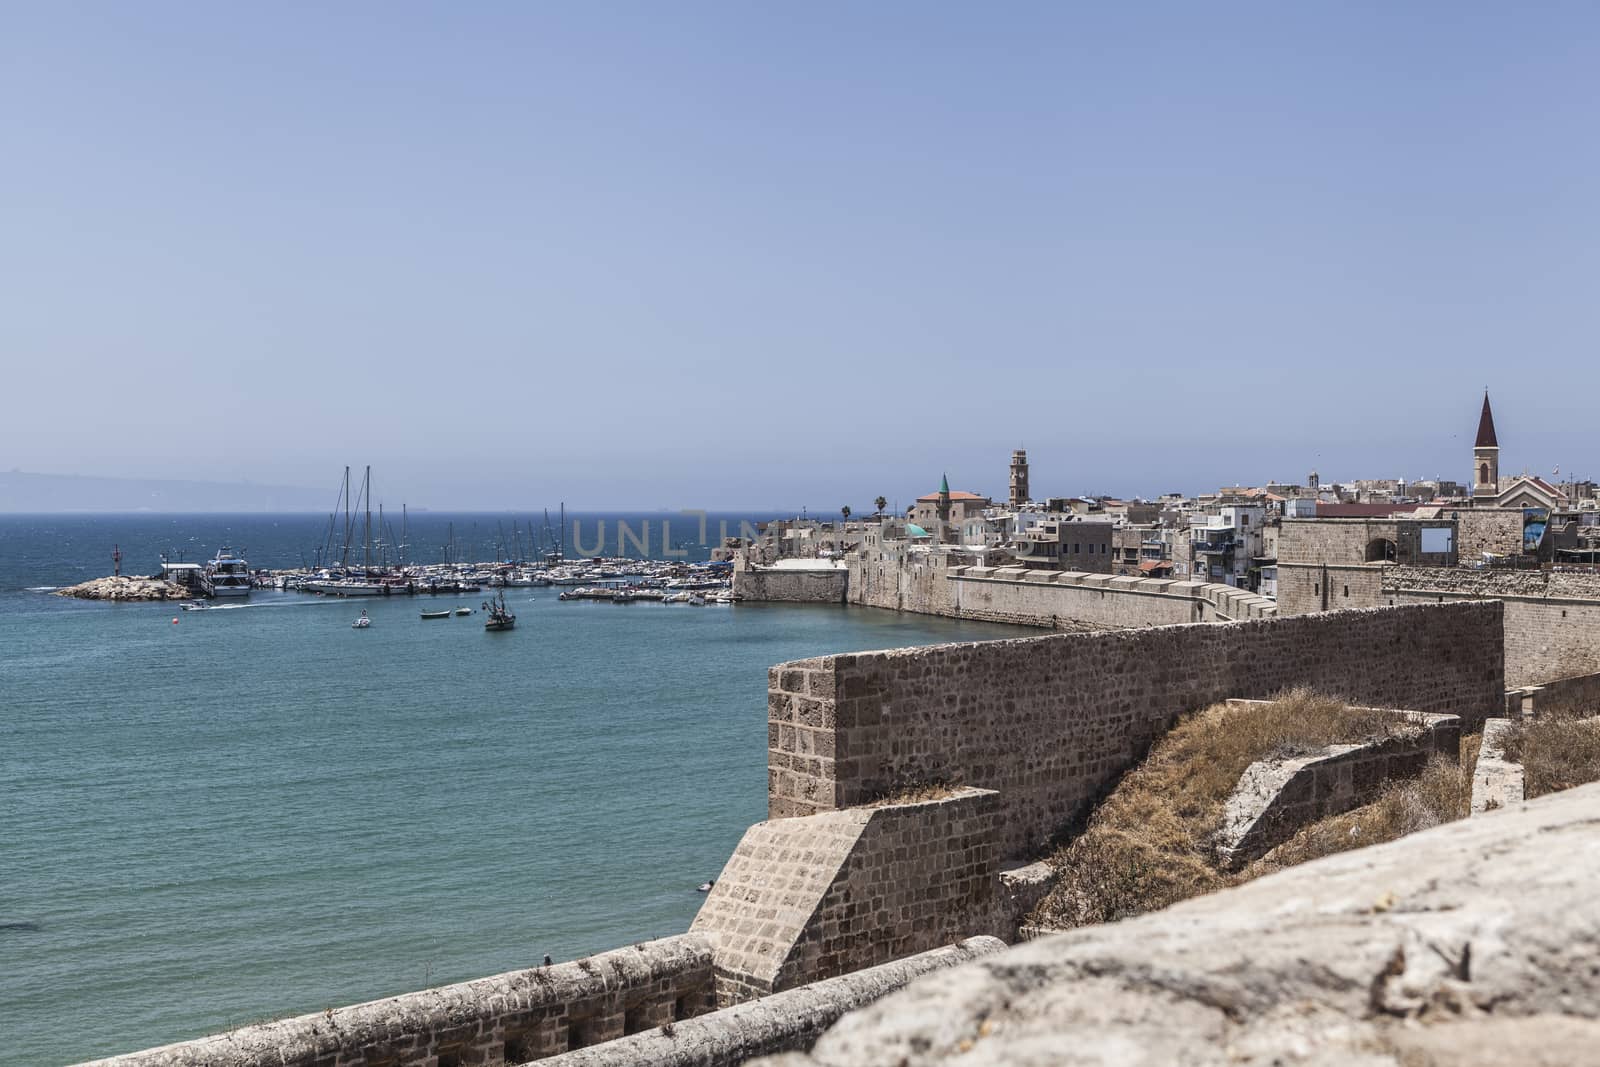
(174, 620)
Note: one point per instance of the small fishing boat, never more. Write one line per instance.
(361, 623)
(463, 611)
(445, 614)
(196, 605)
(697, 601)
(500, 617)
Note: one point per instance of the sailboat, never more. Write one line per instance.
(500, 617)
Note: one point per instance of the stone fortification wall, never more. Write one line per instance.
(1307, 587)
(1579, 694)
(781, 1022)
(794, 586)
(1469, 944)
(1496, 531)
(1492, 582)
(807, 899)
(1061, 600)
(507, 1018)
(1052, 722)
(1552, 620)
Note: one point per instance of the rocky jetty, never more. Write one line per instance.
(126, 588)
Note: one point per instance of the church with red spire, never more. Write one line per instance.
(1486, 457)
(1522, 491)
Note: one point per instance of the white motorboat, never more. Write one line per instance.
(228, 575)
(361, 623)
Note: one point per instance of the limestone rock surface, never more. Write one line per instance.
(126, 588)
(1476, 942)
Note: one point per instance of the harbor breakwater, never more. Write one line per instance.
(125, 588)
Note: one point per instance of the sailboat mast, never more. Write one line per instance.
(561, 540)
(344, 554)
(366, 495)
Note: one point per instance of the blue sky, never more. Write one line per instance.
(739, 254)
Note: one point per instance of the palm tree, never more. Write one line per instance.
(880, 504)
(845, 511)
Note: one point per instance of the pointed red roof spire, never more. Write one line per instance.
(1486, 438)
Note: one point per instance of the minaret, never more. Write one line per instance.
(1019, 478)
(1485, 457)
(944, 499)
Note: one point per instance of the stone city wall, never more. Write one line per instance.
(504, 1019)
(784, 1021)
(1061, 600)
(1052, 722)
(1552, 620)
(790, 585)
(807, 899)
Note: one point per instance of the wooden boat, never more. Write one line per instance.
(500, 617)
(436, 614)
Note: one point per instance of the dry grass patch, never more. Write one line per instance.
(1557, 751)
(1150, 843)
(918, 794)
(1441, 793)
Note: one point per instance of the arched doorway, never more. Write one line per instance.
(1380, 550)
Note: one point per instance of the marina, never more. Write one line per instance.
(361, 811)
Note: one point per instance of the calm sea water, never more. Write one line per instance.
(259, 811)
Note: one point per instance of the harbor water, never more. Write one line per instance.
(257, 810)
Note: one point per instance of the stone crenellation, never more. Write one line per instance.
(1051, 722)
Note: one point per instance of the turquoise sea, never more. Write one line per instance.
(259, 811)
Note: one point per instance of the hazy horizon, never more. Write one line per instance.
(734, 253)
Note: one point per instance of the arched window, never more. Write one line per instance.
(1483, 474)
(1380, 550)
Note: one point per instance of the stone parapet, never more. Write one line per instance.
(927, 584)
(1497, 782)
(780, 1022)
(506, 1018)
